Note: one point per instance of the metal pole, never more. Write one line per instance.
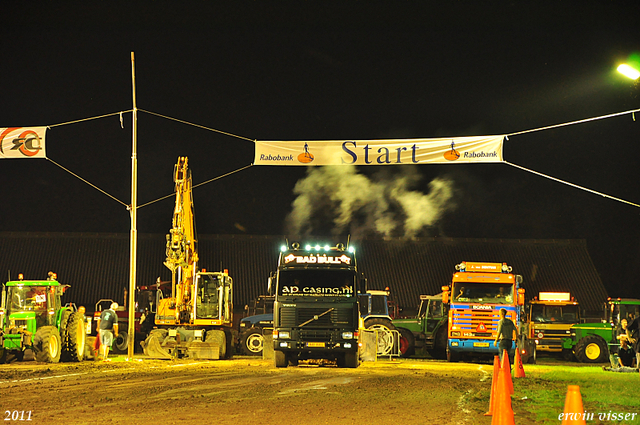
(133, 245)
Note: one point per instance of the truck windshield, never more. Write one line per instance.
(27, 298)
(541, 313)
(316, 283)
(489, 293)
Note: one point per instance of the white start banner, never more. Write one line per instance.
(22, 142)
(476, 149)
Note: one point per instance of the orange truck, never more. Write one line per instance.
(477, 293)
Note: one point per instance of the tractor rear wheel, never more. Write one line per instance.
(592, 349)
(73, 337)
(407, 342)
(385, 337)
(252, 342)
(47, 345)
(439, 351)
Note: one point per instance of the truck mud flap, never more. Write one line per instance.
(203, 350)
(153, 349)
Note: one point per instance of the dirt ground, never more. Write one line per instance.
(245, 390)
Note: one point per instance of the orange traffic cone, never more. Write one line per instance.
(494, 384)
(506, 365)
(503, 414)
(517, 365)
(573, 408)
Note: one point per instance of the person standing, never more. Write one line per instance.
(108, 328)
(506, 331)
(633, 336)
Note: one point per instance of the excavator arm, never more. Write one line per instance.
(182, 247)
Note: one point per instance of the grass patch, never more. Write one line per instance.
(603, 393)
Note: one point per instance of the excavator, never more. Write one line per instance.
(196, 320)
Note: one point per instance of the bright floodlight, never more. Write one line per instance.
(629, 71)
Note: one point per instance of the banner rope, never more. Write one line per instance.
(197, 125)
(601, 117)
(89, 183)
(92, 118)
(571, 184)
(199, 184)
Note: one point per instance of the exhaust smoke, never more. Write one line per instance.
(344, 201)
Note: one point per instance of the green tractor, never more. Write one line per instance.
(32, 317)
(590, 341)
(428, 330)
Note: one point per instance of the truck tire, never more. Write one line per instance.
(407, 342)
(568, 355)
(47, 345)
(220, 338)
(229, 344)
(252, 342)
(351, 360)
(592, 349)
(385, 338)
(281, 359)
(3, 355)
(73, 337)
(121, 342)
(452, 356)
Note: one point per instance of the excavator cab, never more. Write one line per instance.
(209, 288)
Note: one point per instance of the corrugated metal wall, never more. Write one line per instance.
(97, 265)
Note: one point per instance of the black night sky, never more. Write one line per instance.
(327, 71)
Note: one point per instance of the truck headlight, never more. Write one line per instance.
(347, 335)
(284, 334)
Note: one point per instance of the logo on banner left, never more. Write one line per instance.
(306, 157)
(452, 154)
(25, 141)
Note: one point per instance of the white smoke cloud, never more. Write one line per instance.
(341, 199)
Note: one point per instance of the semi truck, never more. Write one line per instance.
(477, 293)
(315, 310)
(548, 321)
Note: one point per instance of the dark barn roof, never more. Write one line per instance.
(97, 265)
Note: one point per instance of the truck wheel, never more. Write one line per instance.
(407, 342)
(218, 337)
(452, 356)
(121, 342)
(47, 345)
(3, 355)
(385, 339)
(568, 355)
(592, 349)
(281, 359)
(229, 344)
(350, 360)
(73, 337)
(252, 342)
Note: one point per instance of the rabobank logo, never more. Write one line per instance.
(453, 154)
(306, 157)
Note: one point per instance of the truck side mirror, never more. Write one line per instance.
(270, 285)
(519, 279)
